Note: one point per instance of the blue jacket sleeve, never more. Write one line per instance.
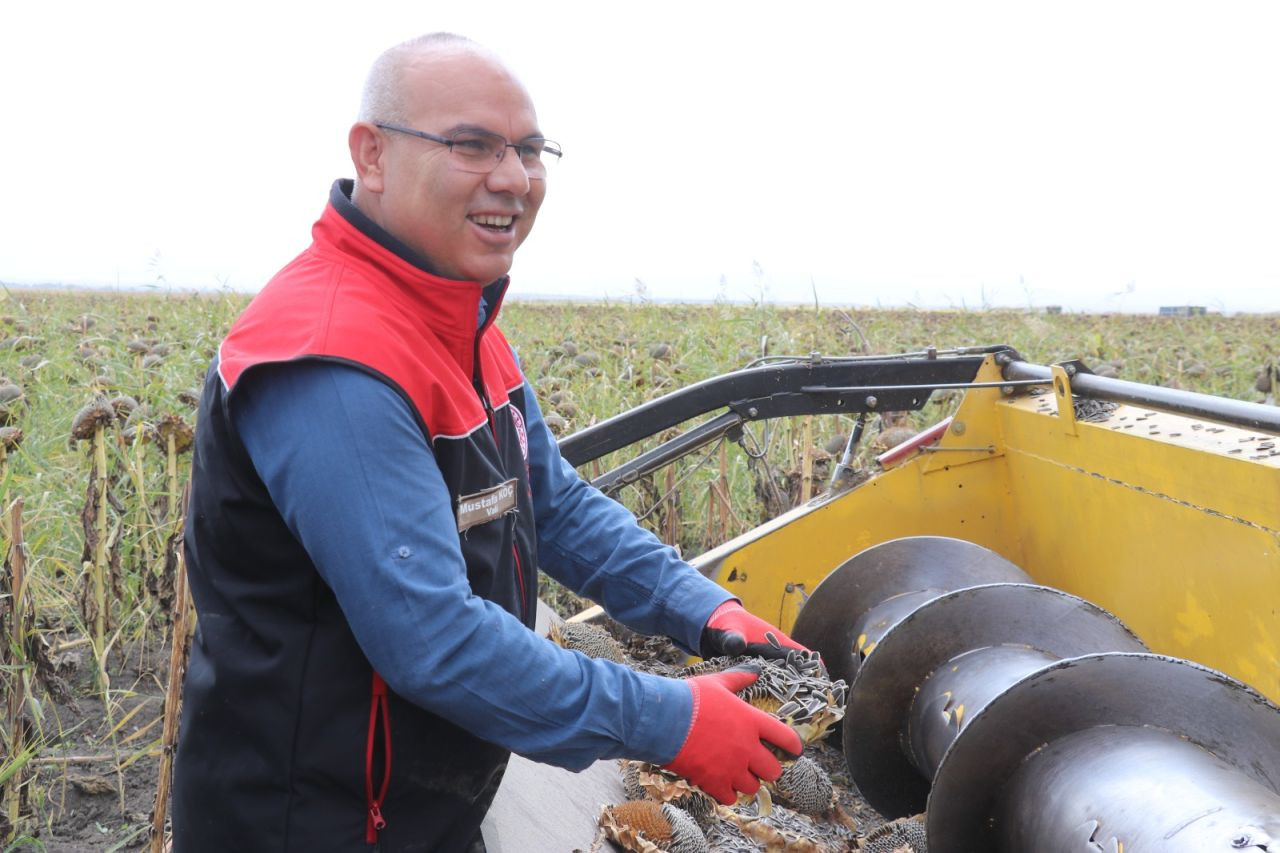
(354, 478)
(593, 545)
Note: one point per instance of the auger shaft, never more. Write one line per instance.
(965, 685)
(1145, 788)
(1029, 719)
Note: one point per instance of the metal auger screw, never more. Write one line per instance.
(872, 402)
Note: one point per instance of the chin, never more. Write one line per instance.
(486, 273)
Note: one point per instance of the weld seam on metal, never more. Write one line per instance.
(1152, 493)
(1190, 821)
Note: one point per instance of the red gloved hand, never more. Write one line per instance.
(732, 631)
(723, 753)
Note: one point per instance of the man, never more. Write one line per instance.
(373, 490)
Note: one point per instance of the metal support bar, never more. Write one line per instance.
(668, 452)
(1235, 412)
(940, 386)
(842, 474)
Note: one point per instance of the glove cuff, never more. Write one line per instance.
(727, 607)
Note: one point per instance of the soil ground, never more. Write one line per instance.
(94, 783)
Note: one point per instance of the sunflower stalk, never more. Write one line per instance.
(173, 692)
(723, 493)
(16, 610)
(99, 567)
(4, 473)
(806, 460)
(671, 514)
(171, 467)
(137, 472)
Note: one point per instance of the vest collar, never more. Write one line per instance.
(452, 303)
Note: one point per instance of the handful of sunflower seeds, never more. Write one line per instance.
(796, 689)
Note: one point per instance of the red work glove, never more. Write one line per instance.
(723, 753)
(732, 631)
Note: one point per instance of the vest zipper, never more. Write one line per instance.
(477, 382)
(493, 430)
(379, 711)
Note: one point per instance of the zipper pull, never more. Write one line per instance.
(375, 814)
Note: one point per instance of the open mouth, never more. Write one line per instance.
(493, 222)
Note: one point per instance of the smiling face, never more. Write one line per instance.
(466, 225)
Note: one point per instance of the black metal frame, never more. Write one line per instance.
(811, 386)
(790, 386)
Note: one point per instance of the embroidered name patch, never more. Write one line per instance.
(487, 505)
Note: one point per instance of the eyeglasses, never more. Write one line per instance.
(481, 151)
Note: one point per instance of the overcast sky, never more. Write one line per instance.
(1099, 155)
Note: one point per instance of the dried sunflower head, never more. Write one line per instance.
(124, 406)
(10, 437)
(94, 413)
(12, 401)
(646, 781)
(804, 786)
(905, 835)
(174, 425)
(643, 826)
(592, 641)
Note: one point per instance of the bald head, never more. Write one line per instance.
(386, 94)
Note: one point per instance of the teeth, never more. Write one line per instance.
(492, 221)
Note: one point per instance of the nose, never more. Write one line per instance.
(509, 175)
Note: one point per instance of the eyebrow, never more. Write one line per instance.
(460, 128)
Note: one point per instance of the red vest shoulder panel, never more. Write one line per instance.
(348, 298)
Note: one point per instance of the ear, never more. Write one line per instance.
(368, 146)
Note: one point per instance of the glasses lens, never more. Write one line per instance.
(476, 150)
(538, 156)
(480, 151)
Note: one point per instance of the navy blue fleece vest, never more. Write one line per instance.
(277, 701)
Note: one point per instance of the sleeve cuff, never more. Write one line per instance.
(664, 720)
(696, 599)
